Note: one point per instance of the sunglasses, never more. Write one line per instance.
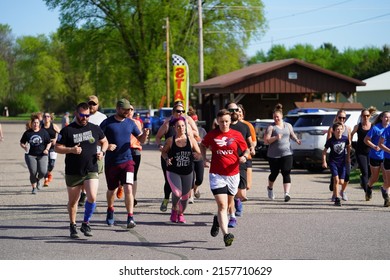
(84, 115)
(180, 111)
(341, 118)
(233, 110)
(367, 116)
(91, 103)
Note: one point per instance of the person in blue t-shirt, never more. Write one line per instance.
(339, 155)
(119, 164)
(376, 154)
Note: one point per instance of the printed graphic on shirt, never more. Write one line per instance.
(35, 140)
(339, 147)
(224, 141)
(84, 136)
(183, 158)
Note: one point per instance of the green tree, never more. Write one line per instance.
(39, 72)
(133, 32)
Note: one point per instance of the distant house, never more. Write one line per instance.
(376, 92)
(259, 87)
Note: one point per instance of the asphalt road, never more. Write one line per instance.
(309, 227)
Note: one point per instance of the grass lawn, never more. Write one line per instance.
(354, 178)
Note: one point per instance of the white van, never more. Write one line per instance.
(311, 129)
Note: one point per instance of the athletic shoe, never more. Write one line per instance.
(228, 239)
(50, 176)
(333, 198)
(384, 192)
(191, 200)
(181, 219)
(86, 229)
(337, 201)
(232, 222)
(343, 196)
(270, 193)
(119, 192)
(46, 182)
(215, 227)
(238, 206)
(173, 216)
(34, 191)
(110, 218)
(164, 205)
(39, 186)
(73, 231)
(197, 194)
(368, 193)
(387, 200)
(83, 197)
(130, 222)
(287, 197)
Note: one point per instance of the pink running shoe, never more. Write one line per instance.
(181, 219)
(174, 216)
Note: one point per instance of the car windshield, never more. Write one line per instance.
(314, 120)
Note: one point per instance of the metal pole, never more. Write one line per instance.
(201, 74)
(168, 62)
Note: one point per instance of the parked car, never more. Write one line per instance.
(260, 127)
(159, 117)
(311, 129)
(108, 111)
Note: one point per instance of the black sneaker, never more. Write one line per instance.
(130, 222)
(384, 192)
(228, 239)
(73, 231)
(86, 229)
(215, 227)
(337, 201)
(386, 199)
(83, 196)
(368, 193)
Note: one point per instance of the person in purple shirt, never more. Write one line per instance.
(338, 145)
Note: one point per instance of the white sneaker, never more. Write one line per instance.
(270, 193)
(343, 196)
(191, 200)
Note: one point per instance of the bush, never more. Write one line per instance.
(23, 103)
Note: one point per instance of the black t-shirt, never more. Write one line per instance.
(88, 137)
(37, 141)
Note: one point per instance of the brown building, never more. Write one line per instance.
(260, 87)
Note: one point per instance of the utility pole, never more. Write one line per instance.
(168, 61)
(200, 22)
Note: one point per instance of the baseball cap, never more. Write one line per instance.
(94, 99)
(123, 103)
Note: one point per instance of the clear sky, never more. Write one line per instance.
(344, 23)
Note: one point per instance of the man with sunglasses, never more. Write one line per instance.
(78, 141)
(119, 163)
(241, 194)
(97, 118)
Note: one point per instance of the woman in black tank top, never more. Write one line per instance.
(53, 131)
(361, 149)
(178, 154)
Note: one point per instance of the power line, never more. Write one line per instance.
(323, 30)
(310, 11)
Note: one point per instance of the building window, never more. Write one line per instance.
(270, 96)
